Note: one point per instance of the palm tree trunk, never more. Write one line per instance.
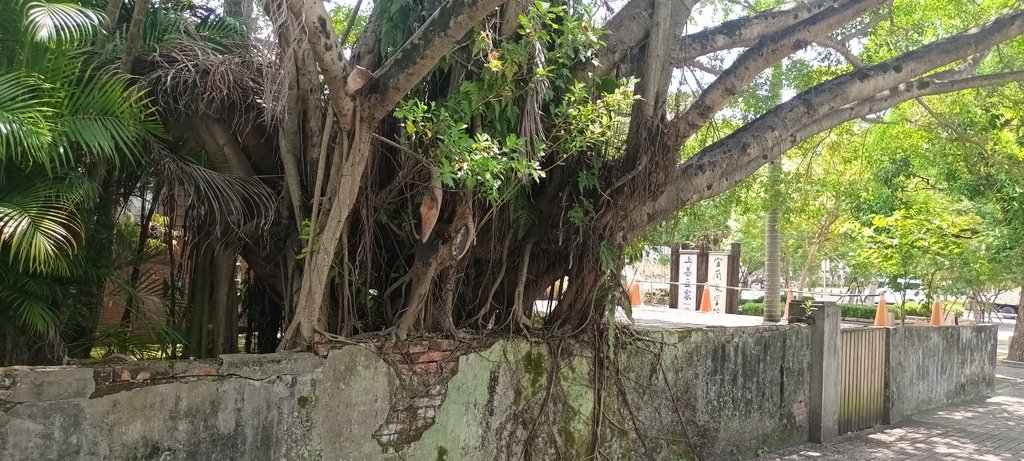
(772, 256)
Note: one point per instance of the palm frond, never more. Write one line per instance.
(39, 224)
(106, 116)
(224, 205)
(62, 23)
(188, 79)
(27, 301)
(26, 128)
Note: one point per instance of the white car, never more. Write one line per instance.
(914, 292)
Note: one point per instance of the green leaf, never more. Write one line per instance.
(39, 225)
(26, 120)
(63, 23)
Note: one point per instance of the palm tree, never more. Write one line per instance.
(773, 253)
(59, 116)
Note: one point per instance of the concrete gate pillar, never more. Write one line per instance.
(824, 372)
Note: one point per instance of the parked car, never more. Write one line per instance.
(1006, 309)
(895, 295)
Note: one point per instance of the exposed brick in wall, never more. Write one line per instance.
(131, 375)
(424, 368)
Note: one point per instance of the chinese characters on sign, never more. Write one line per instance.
(718, 270)
(687, 279)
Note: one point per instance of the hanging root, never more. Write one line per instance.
(334, 337)
(518, 319)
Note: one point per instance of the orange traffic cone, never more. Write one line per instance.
(634, 294)
(705, 300)
(789, 299)
(882, 314)
(936, 313)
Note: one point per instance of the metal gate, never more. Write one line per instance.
(862, 381)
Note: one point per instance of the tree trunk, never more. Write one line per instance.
(1016, 349)
(225, 301)
(773, 254)
(310, 318)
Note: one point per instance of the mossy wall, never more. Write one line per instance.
(930, 366)
(713, 393)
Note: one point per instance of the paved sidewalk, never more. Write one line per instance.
(986, 429)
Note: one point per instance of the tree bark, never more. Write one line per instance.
(131, 46)
(744, 31)
(1016, 348)
(772, 248)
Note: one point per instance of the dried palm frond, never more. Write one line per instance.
(190, 80)
(220, 206)
(279, 56)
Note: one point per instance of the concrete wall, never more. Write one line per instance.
(932, 366)
(714, 393)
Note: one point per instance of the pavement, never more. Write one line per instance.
(987, 429)
(663, 317)
(1005, 333)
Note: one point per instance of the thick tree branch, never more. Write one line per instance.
(436, 38)
(329, 53)
(707, 69)
(628, 30)
(744, 31)
(653, 85)
(769, 50)
(728, 161)
(843, 50)
(914, 89)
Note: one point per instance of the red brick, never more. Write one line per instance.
(407, 347)
(429, 356)
(438, 344)
(144, 375)
(403, 416)
(101, 375)
(417, 369)
(321, 349)
(413, 347)
(450, 366)
(122, 374)
(206, 371)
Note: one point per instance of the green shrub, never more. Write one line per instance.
(913, 308)
(752, 308)
(858, 311)
(782, 298)
(956, 308)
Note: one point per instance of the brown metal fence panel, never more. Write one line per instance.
(862, 381)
